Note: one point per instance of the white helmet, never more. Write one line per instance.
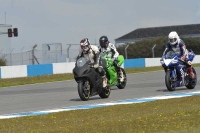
(173, 37)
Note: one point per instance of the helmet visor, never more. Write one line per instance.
(172, 40)
(84, 48)
(103, 43)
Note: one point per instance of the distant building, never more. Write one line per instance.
(5, 41)
(192, 30)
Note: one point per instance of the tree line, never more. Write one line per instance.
(143, 49)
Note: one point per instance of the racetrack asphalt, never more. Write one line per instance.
(64, 94)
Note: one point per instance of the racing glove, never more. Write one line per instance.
(189, 62)
(113, 59)
(183, 57)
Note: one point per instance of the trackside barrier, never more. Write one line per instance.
(13, 71)
(59, 68)
(133, 63)
(150, 62)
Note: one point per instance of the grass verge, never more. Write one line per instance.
(180, 115)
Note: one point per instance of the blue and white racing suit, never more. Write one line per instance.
(180, 49)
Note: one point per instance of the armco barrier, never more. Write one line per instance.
(150, 62)
(59, 68)
(13, 71)
(132, 63)
(38, 70)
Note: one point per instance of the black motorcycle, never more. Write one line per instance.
(89, 81)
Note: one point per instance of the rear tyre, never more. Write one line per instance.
(192, 82)
(169, 84)
(83, 90)
(122, 85)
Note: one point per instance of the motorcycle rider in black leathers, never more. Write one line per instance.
(91, 52)
(111, 51)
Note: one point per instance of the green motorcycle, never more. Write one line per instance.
(112, 74)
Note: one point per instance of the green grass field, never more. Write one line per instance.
(180, 115)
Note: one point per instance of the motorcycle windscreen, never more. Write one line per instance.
(81, 61)
(170, 54)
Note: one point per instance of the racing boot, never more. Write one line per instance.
(104, 81)
(191, 72)
(121, 76)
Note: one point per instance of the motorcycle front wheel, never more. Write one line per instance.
(84, 90)
(168, 82)
(105, 92)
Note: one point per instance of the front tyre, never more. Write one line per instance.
(192, 82)
(169, 84)
(84, 90)
(122, 85)
(105, 93)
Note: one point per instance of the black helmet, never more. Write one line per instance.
(85, 44)
(103, 41)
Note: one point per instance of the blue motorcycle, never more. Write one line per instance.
(176, 73)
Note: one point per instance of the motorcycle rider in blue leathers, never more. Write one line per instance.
(178, 46)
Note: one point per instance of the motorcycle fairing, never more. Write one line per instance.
(89, 73)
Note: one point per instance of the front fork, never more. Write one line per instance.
(174, 79)
(174, 75)
(182, 75)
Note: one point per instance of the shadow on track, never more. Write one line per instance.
(177, 89)
(91, 98)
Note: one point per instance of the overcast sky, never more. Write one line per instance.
(68, 21)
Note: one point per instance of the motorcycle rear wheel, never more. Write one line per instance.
(83, 91)
(192, 82)
(169, 84)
